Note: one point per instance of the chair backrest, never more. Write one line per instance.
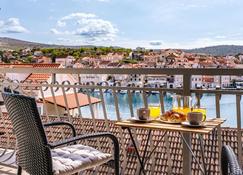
(34, 155)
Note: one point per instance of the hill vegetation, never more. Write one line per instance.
(221, 50)
(15, 44)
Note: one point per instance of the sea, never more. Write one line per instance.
(227, 106)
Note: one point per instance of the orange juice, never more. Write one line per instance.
(202, 110)
(154, 111)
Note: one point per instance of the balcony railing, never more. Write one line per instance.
(57, 92)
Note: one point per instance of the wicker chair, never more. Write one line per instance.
(229, 163)
(38, 157)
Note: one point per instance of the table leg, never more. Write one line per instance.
(203, 153)
(145, 150)
(214, 135)
(137, 152)
(186, 154)
(191, 154)
(152, 151)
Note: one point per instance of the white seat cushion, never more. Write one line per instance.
(75, 158)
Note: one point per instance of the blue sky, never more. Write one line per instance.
(127, 23)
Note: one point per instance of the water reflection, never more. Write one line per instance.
(227, 105)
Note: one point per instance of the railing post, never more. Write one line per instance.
(239, 132)
(53, 78)
(186, 154)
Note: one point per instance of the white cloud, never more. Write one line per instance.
(61, 23)
(12, 25)
(155, 43)
(86, 25)
(57, 32)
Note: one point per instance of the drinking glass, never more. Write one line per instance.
(182, 104)
(154, 111)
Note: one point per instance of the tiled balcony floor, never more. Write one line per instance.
(229, 137)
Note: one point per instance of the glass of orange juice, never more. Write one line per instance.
(182, 104)
(154, 111)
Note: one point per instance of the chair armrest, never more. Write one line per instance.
(58, 123)
(86, 136)
(229, 162)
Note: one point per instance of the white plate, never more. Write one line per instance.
(135, 120)
(187, 124)
(166, 121)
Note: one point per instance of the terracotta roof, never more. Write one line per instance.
(38, 77)
(41, 76)
(160, 162)
(36, 65)
(71, 100)
(208, 79)
(15, 65)
(104, 62)
(52, 65)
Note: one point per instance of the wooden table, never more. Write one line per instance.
(210, 126)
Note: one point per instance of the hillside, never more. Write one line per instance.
(10, 43)
(221, 50)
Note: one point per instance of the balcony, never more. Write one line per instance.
(61, 95)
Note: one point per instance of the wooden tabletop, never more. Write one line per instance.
(209, 125)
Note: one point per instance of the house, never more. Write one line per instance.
(140, 49)
(25, 52)
(135, 80)
(37, 77)
(92, 78)
(196, 81)
(38, 53)
(151, 58)
(225, 81)
(171, 58)
(240, 58)
(208, 81)
(44, 60)
(16, 76)
(178, 81)
(66, 62)
(162, 58)
(156, 80)
(103, 64)
(112, 57)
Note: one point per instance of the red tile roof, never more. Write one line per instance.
(71, 100)
(52, 65)
(41, 76)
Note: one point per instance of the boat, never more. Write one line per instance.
(154, 92)
(96, 90)
(122, 91)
